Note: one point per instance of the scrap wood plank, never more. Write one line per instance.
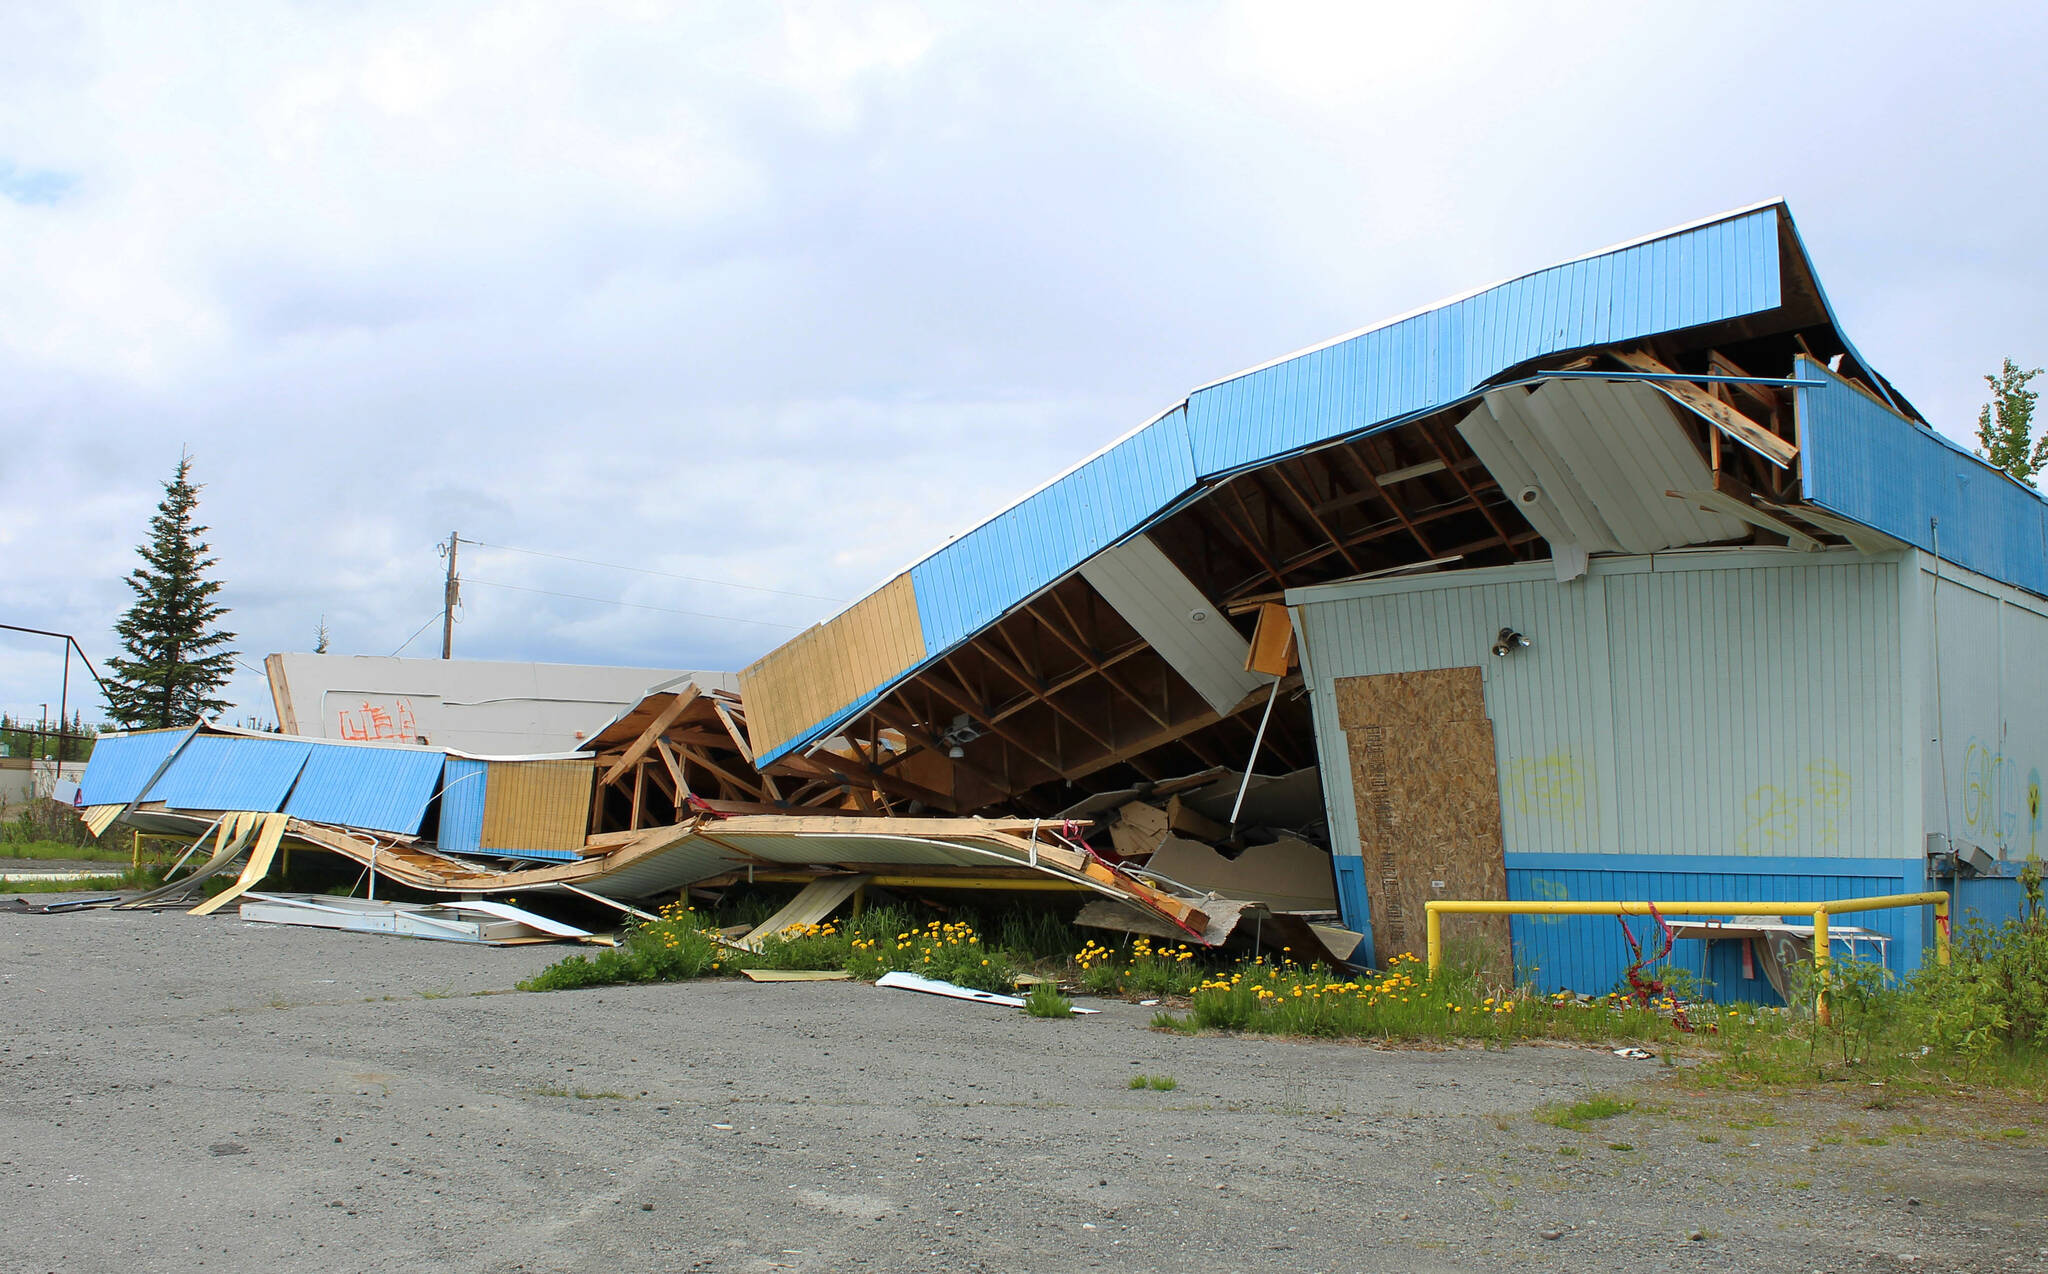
(796, 975)
(655, 729)
(100, 817)
(232, 837)
(1728, 420)
(812, 904)
(268, 836)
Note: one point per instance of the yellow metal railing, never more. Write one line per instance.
(1820, 911)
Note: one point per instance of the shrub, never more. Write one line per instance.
(671, 949)
(1991, 997)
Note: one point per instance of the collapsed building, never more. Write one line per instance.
(1628, 578)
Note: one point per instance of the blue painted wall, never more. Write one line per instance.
(462, 805)
(225, 772)
(1588, 953)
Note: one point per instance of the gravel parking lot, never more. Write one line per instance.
(184, 1094)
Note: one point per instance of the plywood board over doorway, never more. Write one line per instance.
(1428, 794)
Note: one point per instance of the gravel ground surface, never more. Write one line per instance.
(184, 1094)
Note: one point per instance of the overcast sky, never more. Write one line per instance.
(785, 296)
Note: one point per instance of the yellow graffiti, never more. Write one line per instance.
(1546, 890)
(1548, 787)
(1778, 817)
(1982, 772)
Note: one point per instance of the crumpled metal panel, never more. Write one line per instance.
(379, 789)
(121, 763)
(229, 772)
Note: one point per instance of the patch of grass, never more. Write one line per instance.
(1163, 1083)
(1569, 1152)
(1712, 1140)
(1873, 1141)
(1580, 1115)
(2012, 1132)
(1045, 1000)
(1138, 967)
(1138, 1082)
(44, 850)
(1619, 1145)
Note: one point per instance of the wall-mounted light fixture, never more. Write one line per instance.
(1508, 642)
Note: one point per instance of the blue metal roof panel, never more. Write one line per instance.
(1429, 360)
(973, 580)
(381, 789)
(230, 772)
(121, 763)
(1873, 466)
(462, 805)
(1374, 379)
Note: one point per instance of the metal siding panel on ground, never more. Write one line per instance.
(463, 786)
(537, 804)
(221, 772)
(121, 763)
(380, 789)
(1871, 465)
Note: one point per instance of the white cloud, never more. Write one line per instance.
(788, 295)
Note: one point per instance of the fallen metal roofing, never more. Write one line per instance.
(383, 789)
(220, 773)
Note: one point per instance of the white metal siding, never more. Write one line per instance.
(1697, 703)
(1988, 744)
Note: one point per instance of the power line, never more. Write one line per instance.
(607, 601)
(416, 633)
(642, 570)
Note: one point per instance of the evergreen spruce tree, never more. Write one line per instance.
(176, 661)
(2005, 428)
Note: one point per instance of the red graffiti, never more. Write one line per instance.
(369, 723)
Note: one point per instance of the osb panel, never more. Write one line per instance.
(536, 804)
(1272, 648)
(1411, 698)
(831, 665)
(1429, 828)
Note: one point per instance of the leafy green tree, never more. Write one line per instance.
(176, 660)
(2005, 428)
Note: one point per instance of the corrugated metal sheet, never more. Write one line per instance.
(1162, 604)
(1600, 458)
(537, 804)
(381, 789)
(843, 659)
(463, 785)
(1867, 463)
(1588, 953)
(122, 763)
(223, 772)
(1702, 274)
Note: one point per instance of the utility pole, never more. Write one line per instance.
(451, 594)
